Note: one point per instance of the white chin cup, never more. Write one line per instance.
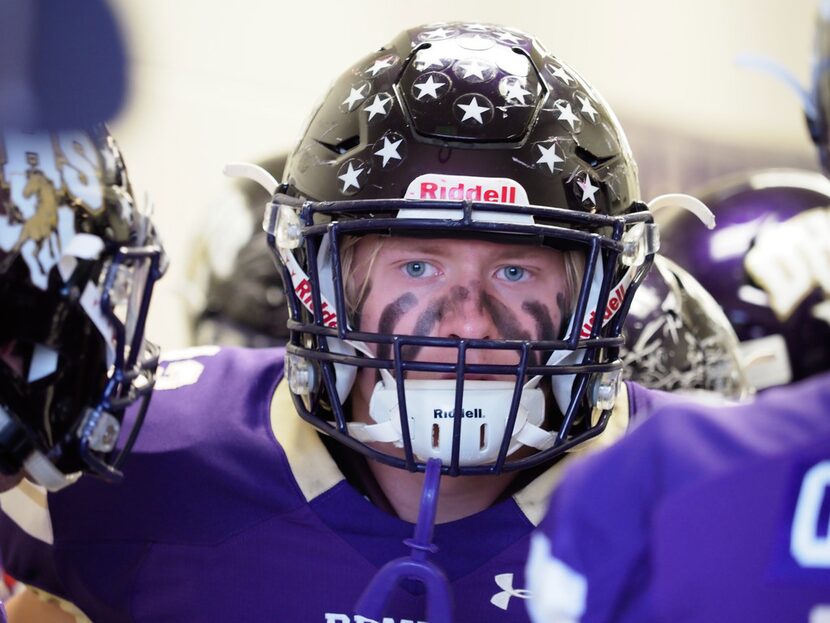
(429, 408)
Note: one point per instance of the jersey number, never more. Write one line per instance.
(810, 545)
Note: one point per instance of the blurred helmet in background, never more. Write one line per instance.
(677, 338)
(78, 261)
(817, 106)
(234, 293)
(768, 265)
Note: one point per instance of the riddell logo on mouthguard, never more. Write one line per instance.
(432, 187)
(438, 414)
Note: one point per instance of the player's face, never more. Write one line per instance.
(473, 289)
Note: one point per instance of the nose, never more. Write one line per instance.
(469, 313)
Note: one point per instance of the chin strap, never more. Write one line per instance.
(416, 566)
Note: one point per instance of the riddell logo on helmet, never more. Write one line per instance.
(503, 194)
(614, 303)
(303, 290)
(432, 187)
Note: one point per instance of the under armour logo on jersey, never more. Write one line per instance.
(502, 599)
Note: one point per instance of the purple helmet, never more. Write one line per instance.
(817, 106)
(78, 261)
(677, 338)
(768, 265)
(460, 131)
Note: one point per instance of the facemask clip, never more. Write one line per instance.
(641, 240)
(103, 430)
(605, 389)
(301, 374)
(287, 228)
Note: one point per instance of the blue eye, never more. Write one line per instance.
(513, 273)
(416, 269)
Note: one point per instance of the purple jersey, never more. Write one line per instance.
(708, 514)
(233, 510)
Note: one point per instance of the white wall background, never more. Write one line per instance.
(214, 82)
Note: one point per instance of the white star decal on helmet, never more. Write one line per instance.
(549, 157)
(438, 33)
(516, 92)
(588, 189)
(355, 95)
(350, 177)
(378, 105)
(473, 68)
(379, 65)
(561, 74)
(472, 110)
(587, 108)
(429, 87)
(566, 113)
(476, 42)
(389, 150)
(506, 36)
(425, 60)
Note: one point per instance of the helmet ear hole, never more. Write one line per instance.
(590, 159)
(343, 146)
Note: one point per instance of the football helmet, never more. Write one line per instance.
(817, 106)
(235, 296)
(453, 132)
(677, 337)
(768, 265)
(78, 261)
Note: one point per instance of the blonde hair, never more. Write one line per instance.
(355, 293)
(574, 269)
